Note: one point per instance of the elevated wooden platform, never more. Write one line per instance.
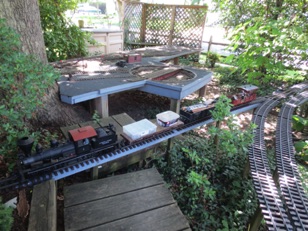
(134, 201)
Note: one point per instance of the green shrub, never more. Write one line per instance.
(63, 39)
(6, 218)
(299, 123)
(229, 77)
(211, 59)
(23, 82)
(207, 180)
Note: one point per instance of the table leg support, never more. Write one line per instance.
(101, 106)
(175, 105)
(202, 91)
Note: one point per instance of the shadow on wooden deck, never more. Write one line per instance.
(133, 201)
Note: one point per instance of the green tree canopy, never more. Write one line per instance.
(270, 37)
(63, 39)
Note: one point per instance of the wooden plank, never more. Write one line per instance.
(168, 218)
(66, 129)
(92, 123)
(113, 208)
(43, 213)
(110, 186)
(175, 105)
(172, 23)
(123, 119)
(101, 106)
(143, 23)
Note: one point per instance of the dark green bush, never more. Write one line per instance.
(23, 83)
(229, 76)
(63, 39)
(207, 180)
(6, 218)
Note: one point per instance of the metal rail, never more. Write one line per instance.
(280, 213)
(289, 180)
(270, 203)
(272, 206)
(78, 164)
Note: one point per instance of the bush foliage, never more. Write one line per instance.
(207, 180)
(23, 83)
(269, 38)
(6, 219)
(63, 39)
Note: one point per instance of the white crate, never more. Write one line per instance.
(167, 118)
(139, 129)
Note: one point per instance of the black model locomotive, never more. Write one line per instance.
(89, 145)
(82, 140)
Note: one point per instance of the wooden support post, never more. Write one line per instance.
(202, 91)
(172, 26)
(94, 173)
(143, 23)
(276, 176)
(246, 169)
(176, 61)
(256, 220)
(174, 106)
(210, 44)
(43, 213)
(101, 106)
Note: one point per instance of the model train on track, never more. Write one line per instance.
(82, 141)
(244, 95)
(87, 142)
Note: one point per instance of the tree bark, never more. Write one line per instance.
(24, 17)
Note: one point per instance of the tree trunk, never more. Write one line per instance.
(24, 17)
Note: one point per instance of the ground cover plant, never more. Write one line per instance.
(206, 177)
(23, 81)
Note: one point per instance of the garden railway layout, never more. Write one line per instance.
(283, 203)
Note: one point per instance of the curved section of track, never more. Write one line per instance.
(271, 204)
(289, 179)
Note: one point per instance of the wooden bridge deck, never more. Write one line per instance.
(133, 201)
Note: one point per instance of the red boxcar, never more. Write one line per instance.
(246, 93)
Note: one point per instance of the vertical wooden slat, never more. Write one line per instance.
(143, 22)
(173, 14)
(43, 213)
(101, 105)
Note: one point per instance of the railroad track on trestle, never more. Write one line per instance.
(272, 206)
(78, 164)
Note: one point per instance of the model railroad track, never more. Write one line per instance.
(272, 207)
(97, 75)
(65, 168)
(289, 180)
